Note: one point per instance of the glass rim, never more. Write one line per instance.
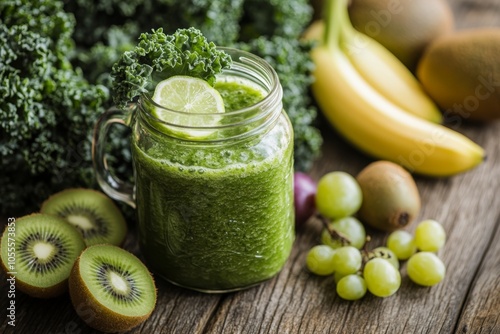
(244, 57)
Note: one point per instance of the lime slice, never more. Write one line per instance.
(185, 101)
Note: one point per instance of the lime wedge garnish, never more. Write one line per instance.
(184, 100)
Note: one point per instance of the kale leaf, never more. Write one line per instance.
(268, 28)
(185, 52)
(56, 58)
(268, 18)
(218, 20)
(48, 108)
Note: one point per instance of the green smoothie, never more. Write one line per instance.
(217, 218)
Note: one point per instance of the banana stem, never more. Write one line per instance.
(347, 30)
(335, 16)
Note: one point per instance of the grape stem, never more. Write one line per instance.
(365, 249)
(333, 233)
(366, 253)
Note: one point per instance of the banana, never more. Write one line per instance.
(377, 125)
(382, 129)
(380, 68)
(386, 73)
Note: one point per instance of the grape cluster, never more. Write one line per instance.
(424, 267)
(343, 252)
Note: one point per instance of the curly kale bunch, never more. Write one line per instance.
(185, 52)
(218, 20)
(106, 28)
(48, 108)
(268, 18)
(267, 28)
(56, 58)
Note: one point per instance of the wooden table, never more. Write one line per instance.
(467, 301)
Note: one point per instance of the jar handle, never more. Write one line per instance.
(109, 183)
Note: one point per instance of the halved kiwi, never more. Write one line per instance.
(91, 212)
(39, 251)
(111, 289)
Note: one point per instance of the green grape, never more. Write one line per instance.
(402, 244)
(338, 276)
(338, 195)
(349, 227)
(425, 268)
(382, 279)
(386, 254)
(351, 287)
(429, 236)
(319, 260)
(347, 260)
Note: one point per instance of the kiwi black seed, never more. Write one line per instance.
(91, 212)
(111, 289)
(39, 251)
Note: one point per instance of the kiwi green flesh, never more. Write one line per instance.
(117, 280)
(91, 212)
(46, 247)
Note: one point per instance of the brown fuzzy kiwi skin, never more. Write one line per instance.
(380, 182)
(461, 73)
(37, 292)
(404, 27)
(93, 313)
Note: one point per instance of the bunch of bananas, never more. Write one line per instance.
(377, 104)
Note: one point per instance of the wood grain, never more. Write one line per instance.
(482, 308)
(467, 301)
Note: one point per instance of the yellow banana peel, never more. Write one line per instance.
(378, 126)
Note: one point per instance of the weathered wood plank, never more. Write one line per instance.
(178, 310)
(468, 300)
(481, 312)
(302, 303)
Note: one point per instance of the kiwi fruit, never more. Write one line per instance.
(390, 196)
(91, 212)
(111, 289)
(461, 72)
(39, 251)
(405, 27)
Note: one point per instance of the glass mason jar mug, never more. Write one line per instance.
(214, 202)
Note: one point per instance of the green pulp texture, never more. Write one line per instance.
(237, 96)
(216, 218)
